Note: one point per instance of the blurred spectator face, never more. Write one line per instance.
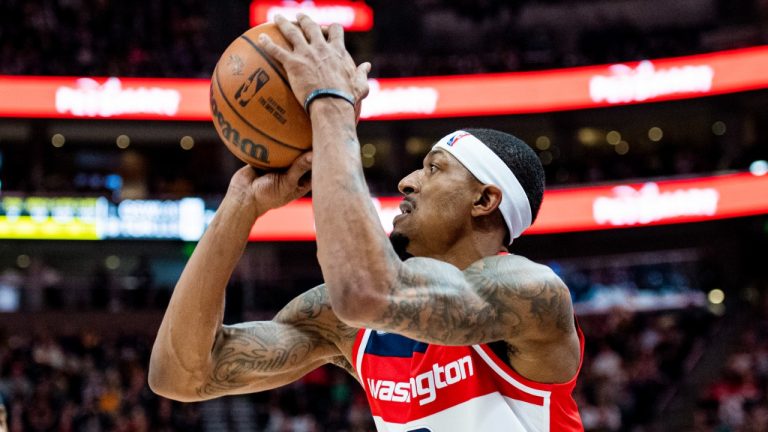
(3, 418)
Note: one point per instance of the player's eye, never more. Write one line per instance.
(432, 168)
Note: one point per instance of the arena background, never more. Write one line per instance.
(655, 213)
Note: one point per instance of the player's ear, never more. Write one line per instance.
(487, 200)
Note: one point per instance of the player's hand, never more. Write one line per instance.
(317, 62)
(273, 189)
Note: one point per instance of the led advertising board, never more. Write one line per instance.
(410, 98)
(563, 210)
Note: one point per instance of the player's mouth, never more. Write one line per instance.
(406, 208)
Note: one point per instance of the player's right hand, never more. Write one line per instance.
(273, 189)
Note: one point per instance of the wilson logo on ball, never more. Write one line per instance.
(251, 86)
(232, 136)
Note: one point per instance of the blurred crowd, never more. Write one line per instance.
(461, 37)
(486, 36)
(105, 38)
(615, 285)
(737, 400)
(89, 382)
(40, 286)
(163, 38)
(632, 363)
(86, 382)
(43, 286)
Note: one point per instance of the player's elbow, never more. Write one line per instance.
(158, 382)
(165, 380)
(357, 306)
(163, 385)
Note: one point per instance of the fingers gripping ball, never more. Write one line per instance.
(254, 110)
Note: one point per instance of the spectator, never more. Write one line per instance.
(738, 399)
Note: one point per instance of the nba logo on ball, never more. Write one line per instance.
(254, 109)
(248, 89)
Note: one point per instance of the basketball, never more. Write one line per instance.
(254, 109)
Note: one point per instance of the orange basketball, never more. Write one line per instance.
(254, 109)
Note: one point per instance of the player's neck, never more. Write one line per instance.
(469, 250)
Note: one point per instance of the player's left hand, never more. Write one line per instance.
(273, 189)
(317, 62)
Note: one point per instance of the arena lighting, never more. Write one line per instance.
(58, 140)
(23, 261)
(563, 210)
(42, 218)
(759, 167)
(65, 218)
(580, 209)
(410, 98)
(716, 296)
(352, 15)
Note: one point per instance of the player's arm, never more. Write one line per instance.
(261, 355)
(498, 298)
(257, 356)
(495, 299)
(186, 361)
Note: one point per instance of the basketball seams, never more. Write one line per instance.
(230, 146)
(246, 122)
(267, 59)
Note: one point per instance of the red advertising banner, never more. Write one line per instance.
(352, 15)
(104, 98)
(568, 89)
(580, 209)
(410, 98)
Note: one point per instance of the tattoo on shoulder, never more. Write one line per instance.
(507, 302)
(432, 304)
(548, 301)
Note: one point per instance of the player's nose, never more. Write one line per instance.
(410, 183)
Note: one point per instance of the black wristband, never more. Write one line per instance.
(327, 92)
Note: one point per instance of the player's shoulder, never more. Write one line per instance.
(516, 264)
(514, 273)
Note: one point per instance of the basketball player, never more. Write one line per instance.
(462, 336)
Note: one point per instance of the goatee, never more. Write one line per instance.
(400, 244)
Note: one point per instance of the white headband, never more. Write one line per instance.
(488, 168)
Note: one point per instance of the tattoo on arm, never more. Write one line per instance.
(312, 312)
(491, 300)
(241, 354)
(304, 335)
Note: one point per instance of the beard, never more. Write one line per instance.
(400, 244)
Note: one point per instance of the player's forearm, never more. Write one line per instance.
(181, 355)
(353, 250)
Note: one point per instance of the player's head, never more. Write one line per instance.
(473, 180)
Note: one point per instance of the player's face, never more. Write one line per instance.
(436, 210)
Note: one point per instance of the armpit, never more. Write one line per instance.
(343, 363)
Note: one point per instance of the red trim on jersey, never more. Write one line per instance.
(535, 384)
(356, 349)
(564, 413)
